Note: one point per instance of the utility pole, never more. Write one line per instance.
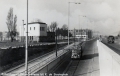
(74, 36)
(23, 30)
(68, 17)
(80, 30)
(68, 20)
(26, 48)
(56, 40)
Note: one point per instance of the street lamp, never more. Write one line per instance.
(79, 19)
(74, 36)
(23, 30)
(68, 16)
(26, 47)
(56, 40)
(81, 26)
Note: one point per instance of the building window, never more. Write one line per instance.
(32, 37)
(30, 28)
(42, 28)
(34, 28)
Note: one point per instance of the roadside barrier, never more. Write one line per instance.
(109, 61)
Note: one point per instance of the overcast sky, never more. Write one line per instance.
(101, 15)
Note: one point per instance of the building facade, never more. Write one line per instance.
(81, 33)
(5, 36)
(37, 32)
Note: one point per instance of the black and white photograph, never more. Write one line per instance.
(59, 37)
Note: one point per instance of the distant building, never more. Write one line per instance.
(1, 36)
(37, 32)
(50, 36)
(90, 33)
(80, 33)
(5, 36)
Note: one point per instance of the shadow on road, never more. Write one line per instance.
(89, 56)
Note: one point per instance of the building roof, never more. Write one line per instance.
(37, 23)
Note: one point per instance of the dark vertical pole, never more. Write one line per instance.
(74, 36)
(68, 20)
(26, 52)
(56, 40)
(0, 65)
(79, 29)
(23, 32)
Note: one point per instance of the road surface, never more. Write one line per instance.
(114, 46)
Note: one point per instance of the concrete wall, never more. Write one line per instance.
(51, 64)
(109, 61)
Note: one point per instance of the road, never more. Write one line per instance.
(88, 65)
(114, 46)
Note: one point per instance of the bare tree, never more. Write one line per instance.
(48, 28)
(53, 26)
(11, 24)
(65, 31)
(64, 27)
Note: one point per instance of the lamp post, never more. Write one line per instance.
(68, 16)
(93, 29)
(26, 47)
(79, 19)
(74, 36)
(23, 30)
(56, 40)
(79, 26)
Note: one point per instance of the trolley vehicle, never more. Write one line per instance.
(110, 39)
(77, 51)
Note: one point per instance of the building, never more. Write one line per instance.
(1, 36)
(90, 33)
(5, 36)
(50, 37)
(81, 33)
(37, 32)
